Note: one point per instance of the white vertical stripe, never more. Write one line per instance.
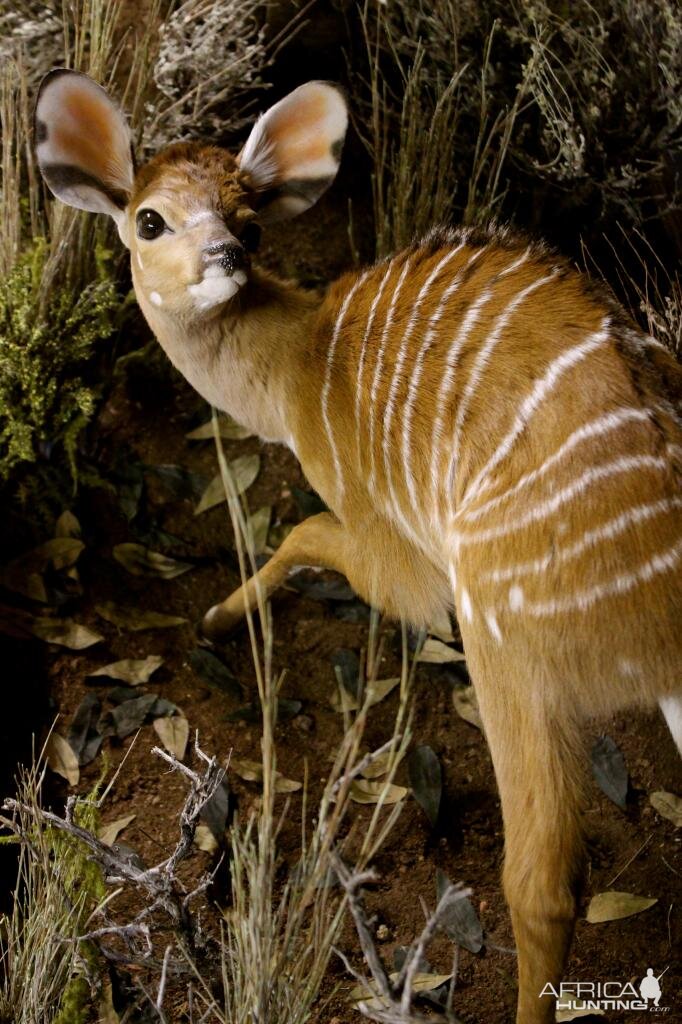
(593, 475)
(378, 367)
(595, 428)
(666, 561)
(397, 370)
(363, 354)
(532, 402)
(415, 379)
(326, 387)
(446, 383)
(482, 361)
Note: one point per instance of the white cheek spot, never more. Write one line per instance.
(493, 626)
(139, 262)
(516, 599)
(155, 298)
(467, 610)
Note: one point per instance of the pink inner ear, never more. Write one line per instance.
(84, 131)
(300, 134)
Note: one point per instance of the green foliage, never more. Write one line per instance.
(44, 350)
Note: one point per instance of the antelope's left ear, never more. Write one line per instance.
(83, 144)
(294, 149)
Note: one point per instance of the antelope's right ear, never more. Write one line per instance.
(83, 144)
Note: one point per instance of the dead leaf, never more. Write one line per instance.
(173, 733)
(62, 759)
(228, 429)
(582, 1009)
(24, 574)
(426, 780)
(442, 630)
(258, 525)
(142, 561)
(668, 806)
(612, 906)
(67, 525)
(204, 839)
(214, 672)
(381, 764)
(252, 771)
(342, 701)
(83, 736)
(466, 706)
(460, 921)
(65, 632)
(244, 471)
(108, 833)
(130, 670)
(136, 619)
(435, 652)
(420, 983)
(610, 773)
(364, 792)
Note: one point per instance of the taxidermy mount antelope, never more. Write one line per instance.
(491, 433)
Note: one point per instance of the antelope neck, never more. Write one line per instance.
(247, 359)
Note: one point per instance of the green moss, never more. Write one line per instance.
(45, 347)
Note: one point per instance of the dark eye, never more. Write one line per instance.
(150, 224)
(250, 237)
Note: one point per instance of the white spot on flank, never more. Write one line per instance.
(139, 262)
(516, 599)
(467, 610)
(493, 626)
(628, 668)
(155, 298)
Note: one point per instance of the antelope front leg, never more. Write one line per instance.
(319, 541)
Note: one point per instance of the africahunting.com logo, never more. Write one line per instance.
(610, 995)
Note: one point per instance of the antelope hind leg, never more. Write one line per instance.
(535, 752)
(318, 541)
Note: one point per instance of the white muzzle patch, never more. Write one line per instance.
(216, 287)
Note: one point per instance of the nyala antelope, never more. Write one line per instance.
(492, 435)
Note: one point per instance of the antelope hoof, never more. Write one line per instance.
(217, 622)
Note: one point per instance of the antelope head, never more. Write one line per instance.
(191, 216)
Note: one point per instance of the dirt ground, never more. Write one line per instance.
(145, 420)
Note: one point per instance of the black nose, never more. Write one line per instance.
(228, 255)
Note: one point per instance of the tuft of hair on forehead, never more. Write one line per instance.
(194, 164)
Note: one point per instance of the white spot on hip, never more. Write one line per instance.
(493, 626)
(516, 598)
(156, 298)
(467, 610)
